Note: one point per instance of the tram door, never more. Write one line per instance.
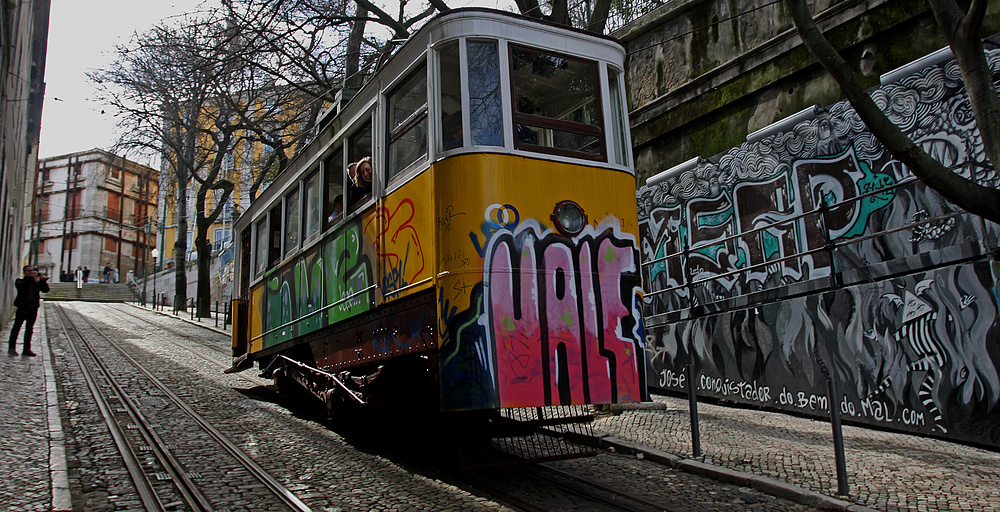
(241, 304)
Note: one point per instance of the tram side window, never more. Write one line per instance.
(485, 107)
(619, 119)
(313, 207)
(359, 151)
(556, 104)
(274, 237)
(334, 210)
(260, 254)
(407, 122)
(452, 134)
(292, 226)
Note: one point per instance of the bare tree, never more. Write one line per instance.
(961, 29)
(186, 92)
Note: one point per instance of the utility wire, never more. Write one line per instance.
(692, 31)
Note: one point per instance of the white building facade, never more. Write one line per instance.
(92, 209)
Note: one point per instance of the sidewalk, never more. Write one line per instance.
(32, 449)
(793, 457)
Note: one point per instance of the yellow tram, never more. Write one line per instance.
(461, 234)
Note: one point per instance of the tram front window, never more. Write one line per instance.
(556, 104)
(450, 77)
(485, 107)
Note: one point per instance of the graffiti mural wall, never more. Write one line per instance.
(813, 254)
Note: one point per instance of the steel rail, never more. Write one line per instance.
(144, 488)
(255, 469)
(590, 494)
(127, 317)
(185, 486)
(603, 487)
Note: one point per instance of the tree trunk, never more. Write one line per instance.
(180, 249)
(204, 290)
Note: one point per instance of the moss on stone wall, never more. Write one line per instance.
(720, 117)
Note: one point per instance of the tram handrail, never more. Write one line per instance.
(318, 311)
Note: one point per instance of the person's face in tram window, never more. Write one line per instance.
(365, 172)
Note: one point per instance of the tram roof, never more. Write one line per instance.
(473, 22)
(487, 23)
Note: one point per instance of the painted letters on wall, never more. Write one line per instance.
(813, 254)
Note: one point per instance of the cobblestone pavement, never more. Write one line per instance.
(780, 454)
(31, 449)
(886, 471)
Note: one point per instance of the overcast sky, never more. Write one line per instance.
(82, 36)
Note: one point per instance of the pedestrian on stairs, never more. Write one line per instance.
(27, 301)
(107, 274)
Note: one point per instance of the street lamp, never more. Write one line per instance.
(154, 253)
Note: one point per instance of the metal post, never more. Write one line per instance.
(155, 298)
(692, 393)
(838, 441)
(145, 269)
(216, 313)
(838, 431)
(693, 408)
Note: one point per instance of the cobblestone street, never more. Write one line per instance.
(79, 469)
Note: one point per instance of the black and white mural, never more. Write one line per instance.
(813, 255)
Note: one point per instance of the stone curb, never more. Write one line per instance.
(761, 483)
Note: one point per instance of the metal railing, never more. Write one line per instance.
(830, 247)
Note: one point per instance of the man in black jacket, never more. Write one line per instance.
(27, 302)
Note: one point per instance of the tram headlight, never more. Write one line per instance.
(569, 218)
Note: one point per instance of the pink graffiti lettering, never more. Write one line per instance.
(562, 330)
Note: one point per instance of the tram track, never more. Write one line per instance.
(223, 351)
(162, 477)
(534, 487)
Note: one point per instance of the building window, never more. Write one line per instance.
(74, 204)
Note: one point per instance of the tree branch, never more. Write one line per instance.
(975, 198)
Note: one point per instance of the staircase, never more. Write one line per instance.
(91, 292)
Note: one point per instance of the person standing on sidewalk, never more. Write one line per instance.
(27, 301)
